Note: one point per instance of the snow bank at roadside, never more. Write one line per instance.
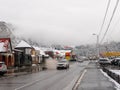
(117, 84)
(116, 71)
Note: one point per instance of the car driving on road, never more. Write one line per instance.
(63, 64)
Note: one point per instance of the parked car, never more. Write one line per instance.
(104, 61)
(3, 68)
(115, 61)
(63, 64)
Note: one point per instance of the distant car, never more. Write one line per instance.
(72, 60)
(3, 68)
(80, 60)
(63, 64)
(104, 61)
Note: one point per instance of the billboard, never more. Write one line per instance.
(4, 44)
(109, 54)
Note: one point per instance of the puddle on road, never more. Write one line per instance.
(50, 64)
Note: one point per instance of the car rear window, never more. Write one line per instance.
(103, 60)
(62, 61)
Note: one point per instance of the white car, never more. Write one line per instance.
(104, 61)
(63, 64)
(3, 68)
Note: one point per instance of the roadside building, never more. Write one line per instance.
(23, 56)
(6, 54)
(35, 53)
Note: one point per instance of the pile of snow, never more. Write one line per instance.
(112, 80)
(116, 71)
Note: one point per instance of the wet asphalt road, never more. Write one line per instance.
(93, 79)
(50, 79)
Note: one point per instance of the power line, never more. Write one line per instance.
(104, 17)
(110, 21)
(114, 28)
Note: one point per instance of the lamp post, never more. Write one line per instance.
(97, 44)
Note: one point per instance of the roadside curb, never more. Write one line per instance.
(6, 76)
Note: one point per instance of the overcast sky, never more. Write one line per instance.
(69, 22)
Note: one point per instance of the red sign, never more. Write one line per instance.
(4, 43)
(67, 54)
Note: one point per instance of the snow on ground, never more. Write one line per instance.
(116, 71)
(117, 85)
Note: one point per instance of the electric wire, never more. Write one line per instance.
(114, 28)
(104, 17)
(110, 21)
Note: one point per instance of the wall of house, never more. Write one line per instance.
(8, 58)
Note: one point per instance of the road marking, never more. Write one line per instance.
(79, 80)
(70, 86)
(26, 85)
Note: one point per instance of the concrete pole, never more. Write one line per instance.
(97, 45)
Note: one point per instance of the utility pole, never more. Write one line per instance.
(97, 45)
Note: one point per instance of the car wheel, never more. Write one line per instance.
(57, 68)
(1, 74)
(65, 67)
(68, 66)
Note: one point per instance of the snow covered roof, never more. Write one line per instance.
(40, 49)
(36, 48)
(42, 52)
(23, 44)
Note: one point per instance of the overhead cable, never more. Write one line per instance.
(105, 16)
(110, 21)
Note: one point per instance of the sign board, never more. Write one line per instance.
(4, 44)
(109, 54)
(67, 54)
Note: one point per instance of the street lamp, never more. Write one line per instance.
(97, 43)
